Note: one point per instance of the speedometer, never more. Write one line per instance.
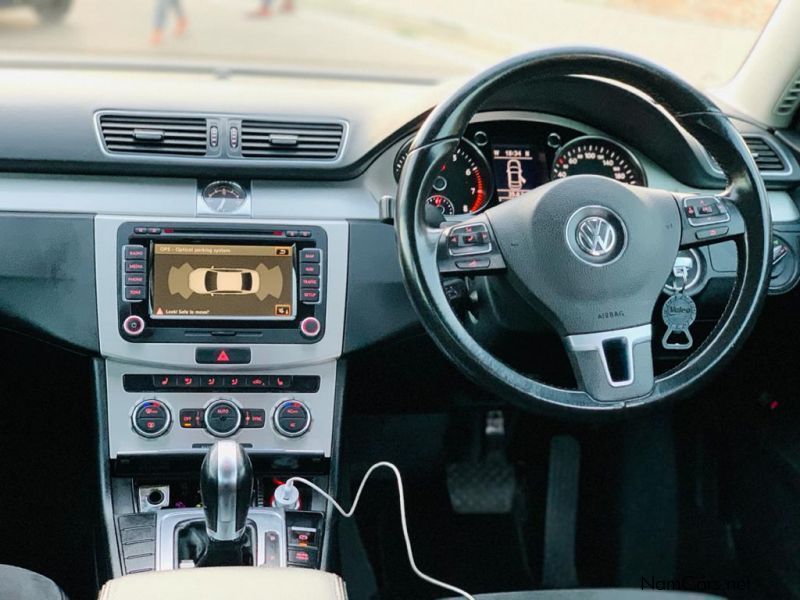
(592, 155)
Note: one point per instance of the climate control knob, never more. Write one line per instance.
(222, 418)
(291, 418)
(151, 418)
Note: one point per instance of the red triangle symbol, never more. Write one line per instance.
(223, 356)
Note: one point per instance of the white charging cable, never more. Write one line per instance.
(286, 497)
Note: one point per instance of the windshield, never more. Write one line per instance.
(703, 40)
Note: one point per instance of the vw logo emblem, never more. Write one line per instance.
(596, 236)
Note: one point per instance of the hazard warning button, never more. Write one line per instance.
(222, 356)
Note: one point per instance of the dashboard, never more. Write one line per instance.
(499, 159)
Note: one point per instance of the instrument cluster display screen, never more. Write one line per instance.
(213, 281)
(516, 170)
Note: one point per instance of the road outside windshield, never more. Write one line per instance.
(703, 40)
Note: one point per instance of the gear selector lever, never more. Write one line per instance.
(226, 486)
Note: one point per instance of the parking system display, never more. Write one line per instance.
(515, 170)
(213, 281)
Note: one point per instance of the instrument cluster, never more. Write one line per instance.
(497, 161)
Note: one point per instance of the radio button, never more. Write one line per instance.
(222, 418)
(134, 252)
(310, 327)
(151, 419)
(133, 325)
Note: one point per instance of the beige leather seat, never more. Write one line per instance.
(227, 583)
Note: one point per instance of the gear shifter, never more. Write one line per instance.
(226, 485)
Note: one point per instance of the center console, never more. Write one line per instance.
(210, 330)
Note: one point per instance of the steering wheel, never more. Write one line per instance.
(590, 254)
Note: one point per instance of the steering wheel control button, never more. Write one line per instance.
(222, 356)
(292, 418)
(707, 234)
(151, 418)
(596, 235)
(473, 263)
(469, 239)
(222, 418)
(705, 210)
(310, 327)
(133, 325)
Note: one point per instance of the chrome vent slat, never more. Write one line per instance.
(178, 136)
(304, 141)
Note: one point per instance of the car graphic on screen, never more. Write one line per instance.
(219, 281)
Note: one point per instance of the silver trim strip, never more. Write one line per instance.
(593, 342)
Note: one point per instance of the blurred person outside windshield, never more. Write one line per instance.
(163, 8)
(265, 9)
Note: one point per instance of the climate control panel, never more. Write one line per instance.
(222, 417)
(285, 412)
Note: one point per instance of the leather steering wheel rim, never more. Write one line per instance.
(745, 195)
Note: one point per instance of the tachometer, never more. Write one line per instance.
(591, 155)
(463, 180)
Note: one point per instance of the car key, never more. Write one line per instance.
(679, 311)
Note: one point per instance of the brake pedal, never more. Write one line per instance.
(486, 485)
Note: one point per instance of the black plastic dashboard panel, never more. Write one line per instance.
(377, 304)
(47, 277)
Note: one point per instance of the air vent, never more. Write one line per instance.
(790, 99)
(147, 134)
(764, 154)
(291, 141)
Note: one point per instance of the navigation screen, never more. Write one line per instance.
(515, 171)
(207, 281)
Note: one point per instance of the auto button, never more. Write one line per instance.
(222, 418)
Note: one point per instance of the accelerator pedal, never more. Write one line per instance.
(488, 484)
